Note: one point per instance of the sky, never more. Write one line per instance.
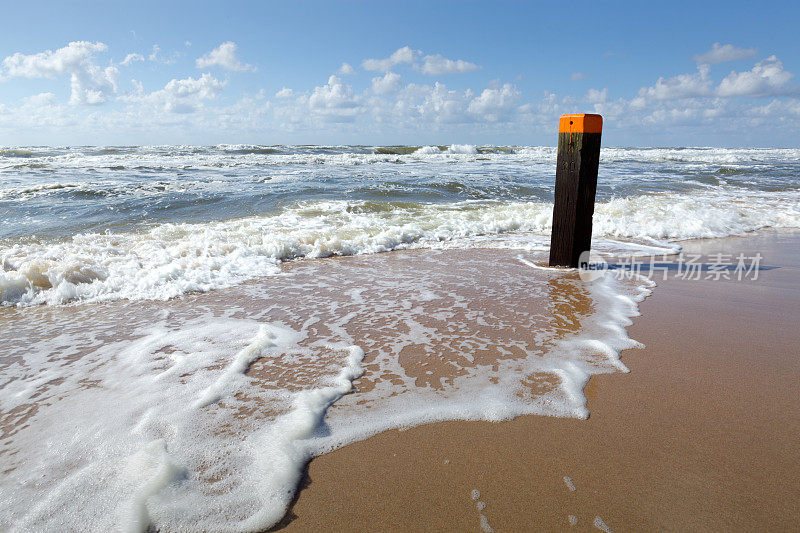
(378, 73)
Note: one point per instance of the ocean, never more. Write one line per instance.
(90, 224)
(183, 328)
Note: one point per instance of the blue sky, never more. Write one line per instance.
(708, 74)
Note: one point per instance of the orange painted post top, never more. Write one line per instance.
(580, 123)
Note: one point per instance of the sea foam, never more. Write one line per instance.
(202, 413)
(115, 453)
(171, 259)
(157, 402)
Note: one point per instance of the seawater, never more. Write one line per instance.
(93, 224)
(180, 333)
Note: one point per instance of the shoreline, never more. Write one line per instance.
(700, 435)
(688, 440)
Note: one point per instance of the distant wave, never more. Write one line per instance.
(10, 152)
(248, 150)
(233, 156)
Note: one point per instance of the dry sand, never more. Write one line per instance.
(702, 435)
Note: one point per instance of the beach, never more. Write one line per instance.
(701, 435)
(332, 337)
(432, 266)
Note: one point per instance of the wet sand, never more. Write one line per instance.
(702, 435)
(204, 378)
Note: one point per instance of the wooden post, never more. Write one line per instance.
(576, 184)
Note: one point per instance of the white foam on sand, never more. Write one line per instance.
(202, 413)
(599, 524)
(141, 442)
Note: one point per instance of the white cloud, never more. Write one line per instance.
(777, 108)
(766, 78)
(400, 56)
(335, 101)
(190, 110)
(49, 63)
(332, 95)
(442, 106)
(132, 58)
(693, 101)
(89, 83)
(576, 76)
(39, 100)
(412, 108)
(180, 95)
(156, 56)
(433, 64)
(494, 104)
(436, 64)
(205, 87)
(39, 111)
(720, 53)
(320, 109)
(341, 115)
(616, 111)
(597, 97)
(676, 87)
(388, 83)
(223, 56)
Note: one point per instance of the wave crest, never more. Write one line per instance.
(172, 259)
